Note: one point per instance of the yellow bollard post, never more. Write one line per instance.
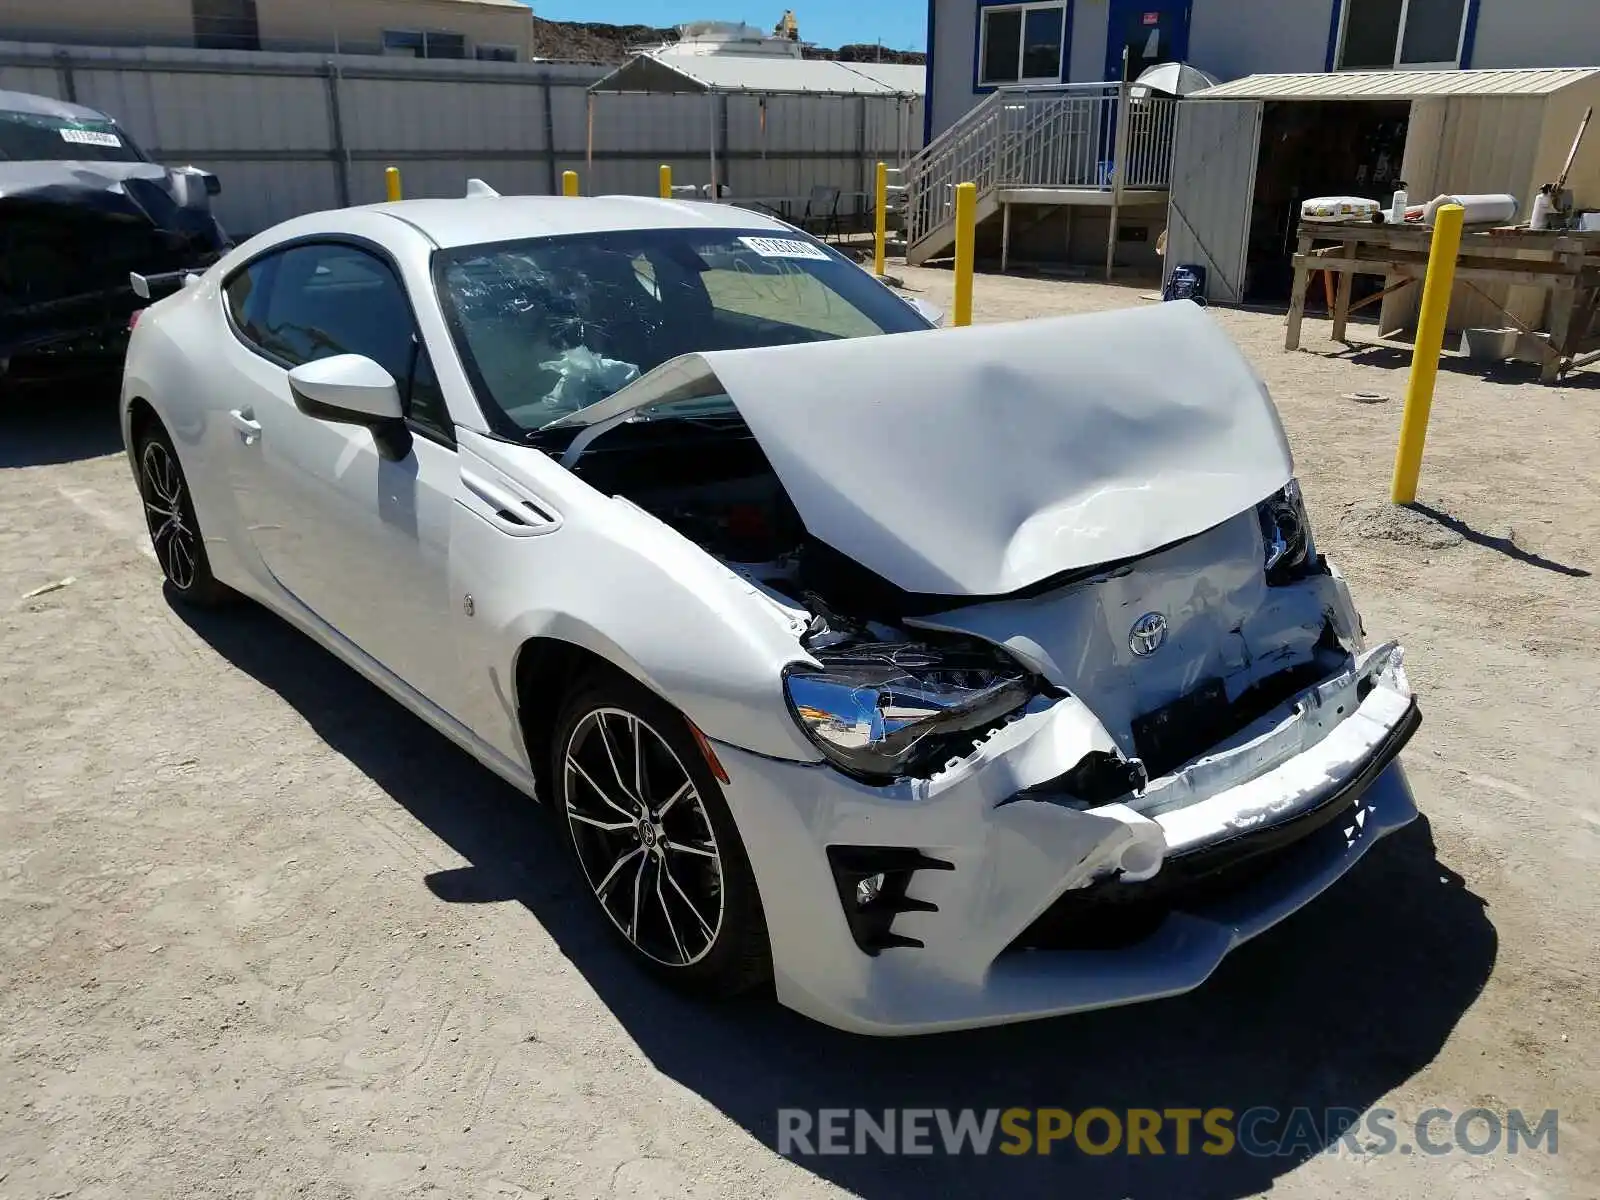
(1425, 355)
(391, 181)
(966, 238)
(880, 231)
(666, 181)
(569, 183)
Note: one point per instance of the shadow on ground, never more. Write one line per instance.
(1501, 545)
(60, 416)
(1506, 374)
(1332, 1009)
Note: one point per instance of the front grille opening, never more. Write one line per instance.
(1185, 729)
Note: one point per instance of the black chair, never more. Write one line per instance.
(822, 213)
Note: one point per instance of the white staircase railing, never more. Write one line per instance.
(1056, 136)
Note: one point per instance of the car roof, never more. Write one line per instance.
(478, 219)
(44, 106)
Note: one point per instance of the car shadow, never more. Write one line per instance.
(1331, 1010)
(60, 416)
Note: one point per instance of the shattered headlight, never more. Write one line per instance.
(1290, 553)
(884, 710)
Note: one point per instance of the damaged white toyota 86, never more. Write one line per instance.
(933, 680)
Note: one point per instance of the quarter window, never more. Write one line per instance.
(1021, 43)
(1387, 34)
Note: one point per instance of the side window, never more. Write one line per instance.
(336, 299)
(318, 300)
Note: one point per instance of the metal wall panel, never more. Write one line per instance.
(1214, 156)
(189, 112)
(40, 81)
(257, 195)
(269, 126)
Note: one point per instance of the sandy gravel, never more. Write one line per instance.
(264, 934)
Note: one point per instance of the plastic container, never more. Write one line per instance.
(1494, 209)
(1397, 208)
(1543, 206)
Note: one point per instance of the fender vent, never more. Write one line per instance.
(525, 513)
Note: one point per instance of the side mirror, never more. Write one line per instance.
(351, 389)
(931, 313)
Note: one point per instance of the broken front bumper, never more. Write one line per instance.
(1008, 905)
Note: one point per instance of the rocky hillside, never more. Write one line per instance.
(592, 41)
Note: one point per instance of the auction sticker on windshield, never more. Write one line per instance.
(91, 137)
(770, 247)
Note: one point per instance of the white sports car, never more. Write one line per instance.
(941, 679)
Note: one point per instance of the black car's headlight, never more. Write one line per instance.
(1290, 553)
(884, 710)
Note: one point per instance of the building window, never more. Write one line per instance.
(497, 54)
(225, 24)
(406, 43)
(1382, 35)
(1021, 43)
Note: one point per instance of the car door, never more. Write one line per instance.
(357, 536)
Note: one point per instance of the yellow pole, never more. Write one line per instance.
(880, 233)
(966, 237)
(391, 180)
(569, 183)
(666, 181)
(1425, 355)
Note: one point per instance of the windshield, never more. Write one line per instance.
(35, 137)
(547, 326)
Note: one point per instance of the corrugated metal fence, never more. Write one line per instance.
(294, 133)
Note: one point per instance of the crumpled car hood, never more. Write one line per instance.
(129, 188)
(984, 460)
(71, 231)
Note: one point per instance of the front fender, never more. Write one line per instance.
(617, 582)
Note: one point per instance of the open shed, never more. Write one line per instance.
(1247, 153)
(772, 126)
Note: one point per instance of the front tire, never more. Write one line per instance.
(654, 840)
(174, 529)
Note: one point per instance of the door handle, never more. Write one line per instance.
(244, 421)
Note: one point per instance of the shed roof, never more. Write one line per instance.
(1397, 85)
(657, 72)
(909, 79)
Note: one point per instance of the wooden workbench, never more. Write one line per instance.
(1567, 267)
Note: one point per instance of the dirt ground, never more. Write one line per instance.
(262, 933)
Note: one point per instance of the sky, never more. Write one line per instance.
(900, 23)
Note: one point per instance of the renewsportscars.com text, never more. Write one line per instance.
(1261, 1132)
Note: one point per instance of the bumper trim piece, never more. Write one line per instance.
(1127, 911)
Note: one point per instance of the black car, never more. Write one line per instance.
(81, 207)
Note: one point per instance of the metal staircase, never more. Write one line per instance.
(1061, 136)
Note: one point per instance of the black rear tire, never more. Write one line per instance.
(670, 875)
(174, 529)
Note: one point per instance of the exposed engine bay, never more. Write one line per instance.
(911, 683)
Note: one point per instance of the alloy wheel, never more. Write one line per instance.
(165, 512)
(643, 837)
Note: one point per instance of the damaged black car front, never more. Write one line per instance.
(81, 209)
